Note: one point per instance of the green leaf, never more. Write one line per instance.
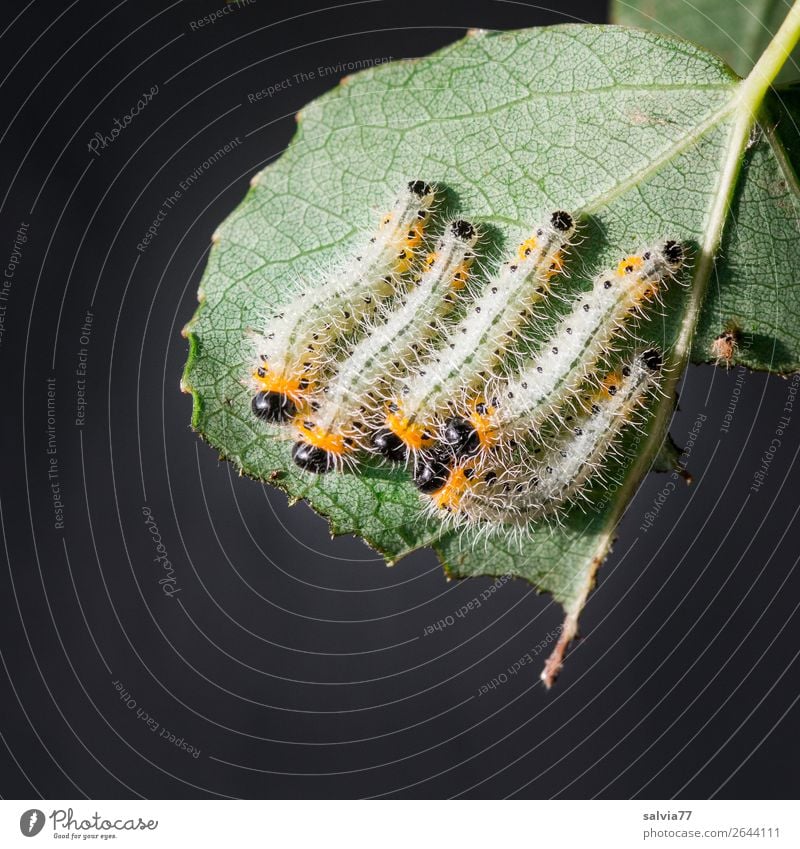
(756, 279)
(736, 30)
(641, 135)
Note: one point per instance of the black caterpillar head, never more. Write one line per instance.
(562, 221)
(461, 437)
(420, 188)
(431, 474)
(653, 360)
(463, 230)
(311, 458)
(389, 445)
(273, 407)
(674, 253)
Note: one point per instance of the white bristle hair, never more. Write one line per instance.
(514, 409)
(535, 484)
(343, 413)
(477, 344)
(300, 339)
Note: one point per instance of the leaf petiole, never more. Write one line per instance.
(769, 65)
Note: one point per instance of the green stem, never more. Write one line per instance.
(748, 102)
(772, 60)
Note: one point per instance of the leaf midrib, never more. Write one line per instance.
(644, 459)
(745, 106)
(600, 200)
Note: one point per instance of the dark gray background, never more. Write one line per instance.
(295, 663)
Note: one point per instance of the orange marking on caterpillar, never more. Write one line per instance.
(293, 387)
(414, 436)
(609, 385)
(629, 264)
(527, 247)
(481, 417)
(557, 266)
(450, 495)
(461, 276)
(333, 443)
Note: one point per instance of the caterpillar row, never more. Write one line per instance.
(407, 353)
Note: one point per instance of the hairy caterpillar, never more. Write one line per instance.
(291, 353)
(477, 344)
(512, 410)
(538, 483)
(337, 423)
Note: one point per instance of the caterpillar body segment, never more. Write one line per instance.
(538, 483)
(341, 416)
(478, 343)
(297, 344)
(515, 409)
